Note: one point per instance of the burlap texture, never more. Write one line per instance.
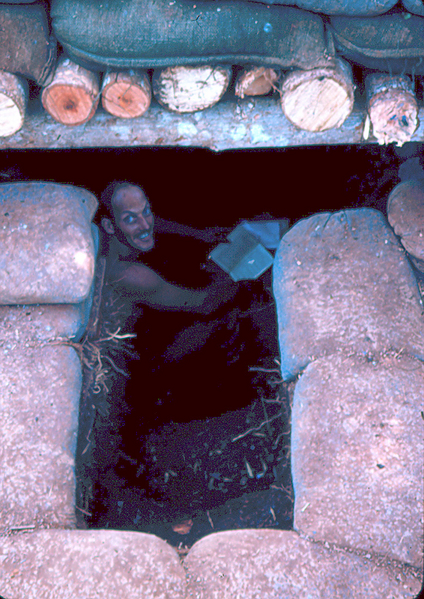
(393, 43)
(159, 33)
(26, 48)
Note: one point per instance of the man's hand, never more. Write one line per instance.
(144, 285)
(218, 294)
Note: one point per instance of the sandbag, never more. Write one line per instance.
(160, 33)
(48, 250)
(341, 7)
(343, 284)
(91, 564)
(405, 212)
(391, 43)
(414, 6)
(41, 386)
(281, 564)
(358, 454)
(26, 46)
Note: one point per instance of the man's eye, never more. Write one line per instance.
(129, 219)
(147, 211)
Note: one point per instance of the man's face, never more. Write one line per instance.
(134, 217)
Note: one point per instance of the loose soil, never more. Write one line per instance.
(206, 475)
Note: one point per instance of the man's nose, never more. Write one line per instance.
(143, 223)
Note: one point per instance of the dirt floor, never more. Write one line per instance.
(196, 439)
(226, 472)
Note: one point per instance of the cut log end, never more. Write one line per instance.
(73, 95)
(394, 117)
(69, 105)
(126, 94)
(13, 101)
(189, 89)
(318, 99)
(392, 108)
(256, 81)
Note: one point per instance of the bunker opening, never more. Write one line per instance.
(185, 421)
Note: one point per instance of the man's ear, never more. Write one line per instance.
(107, 226)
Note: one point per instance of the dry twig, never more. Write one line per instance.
(256, 428)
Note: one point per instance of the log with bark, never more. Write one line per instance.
(13, 102)
(392, 108)
(255, 81)
(189, 89)
(73, 95)
(126, 94)
(318, 99)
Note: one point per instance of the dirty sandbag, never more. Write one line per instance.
(392, 43)
(159, 33)
(26, 47)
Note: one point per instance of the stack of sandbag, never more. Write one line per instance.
(351, 332)
(27, 51)
(47, 271)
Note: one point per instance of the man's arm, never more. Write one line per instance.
(144, 285)
(208, 235)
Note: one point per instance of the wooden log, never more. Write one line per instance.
(226, 126)
(126, 94)
(13, 102)
(255, 81)
(392, 108)
(73, 95)
(189, 89)
(318, 99)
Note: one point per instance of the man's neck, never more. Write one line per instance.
(118, 250)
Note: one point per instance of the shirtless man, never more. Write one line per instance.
(130, 231)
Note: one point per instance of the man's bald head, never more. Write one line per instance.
(129, 216)
(106, 198)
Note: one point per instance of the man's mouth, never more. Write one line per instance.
(143, 236)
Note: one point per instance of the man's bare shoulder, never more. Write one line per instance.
(133, 276)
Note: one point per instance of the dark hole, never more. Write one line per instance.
(197, 441)
(70, 105)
